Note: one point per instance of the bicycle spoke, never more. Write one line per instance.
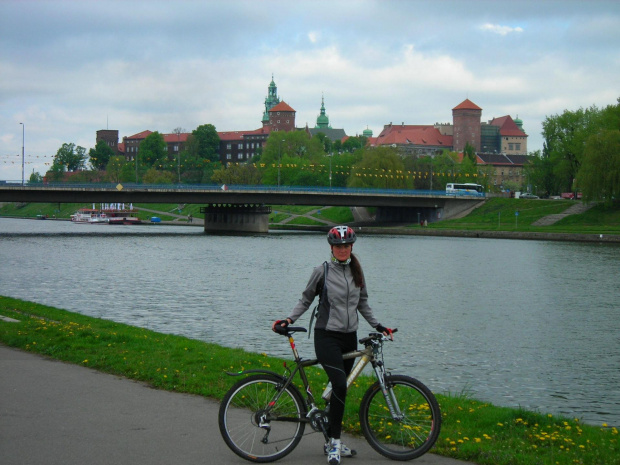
(409, 436)
(255, 425)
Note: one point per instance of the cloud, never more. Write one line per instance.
(313, 36)
(501, 30)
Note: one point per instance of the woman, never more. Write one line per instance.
(335, 332)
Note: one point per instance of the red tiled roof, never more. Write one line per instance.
(174, 138)
(239, 135)
(467, 105)
(141, 135)
(507, 126)
(414, 135)
(282, 106)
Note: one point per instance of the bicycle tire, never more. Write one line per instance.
(415, 433)
(239, 412)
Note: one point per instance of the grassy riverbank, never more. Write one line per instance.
(472, 430)
(496, 214)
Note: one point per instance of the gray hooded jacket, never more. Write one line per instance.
(343, 300)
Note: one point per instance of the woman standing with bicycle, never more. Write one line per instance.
(342, 290)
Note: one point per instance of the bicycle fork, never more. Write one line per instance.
(388, 392)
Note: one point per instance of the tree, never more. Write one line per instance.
(35, 178)
(115, 168)
(153, 151)
(380, 167)
(237, 174)
(100, 155)
(207, 141)
(155, 176)
(69, 157)
(353, 143)
(539, 172)
(599, 176)
(565, 136)
(470, 152)
(295, 144)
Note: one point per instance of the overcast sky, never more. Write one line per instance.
(70, 68)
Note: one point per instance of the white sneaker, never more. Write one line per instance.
(333, 454)
(344, 450)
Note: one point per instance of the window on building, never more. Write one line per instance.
(240, 146)
(228, 156)
(175, 148)
(518, 146)
(240, 156)
(229, 146)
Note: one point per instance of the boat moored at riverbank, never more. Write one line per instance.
(106, 214)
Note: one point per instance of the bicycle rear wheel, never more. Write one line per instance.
(411, 435)
(255, 433)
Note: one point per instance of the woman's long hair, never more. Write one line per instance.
(356, 269)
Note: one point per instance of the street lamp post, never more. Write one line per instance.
(23, 132)
(179, 156)
(279, 161)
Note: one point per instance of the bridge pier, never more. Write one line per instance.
(236, 218)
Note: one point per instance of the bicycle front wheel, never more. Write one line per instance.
(252, 427)
(411, 433)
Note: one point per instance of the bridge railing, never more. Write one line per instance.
(242, 188)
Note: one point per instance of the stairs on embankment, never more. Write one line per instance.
(579, 207)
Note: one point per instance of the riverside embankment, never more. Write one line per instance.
(135, 424)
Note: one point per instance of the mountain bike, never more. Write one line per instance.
(262, 417)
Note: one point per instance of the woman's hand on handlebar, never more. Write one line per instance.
(387, 332)
(282, 323)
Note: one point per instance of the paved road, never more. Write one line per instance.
(57, 413)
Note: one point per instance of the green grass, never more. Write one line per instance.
(472, 430)
(338, 215)
(498, 214)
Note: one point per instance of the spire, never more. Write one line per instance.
(322, 121)
(271, 100)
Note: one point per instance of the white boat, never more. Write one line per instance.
(89, 215)
(106, 214)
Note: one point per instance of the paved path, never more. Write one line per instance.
(55, 413)
(579, 207)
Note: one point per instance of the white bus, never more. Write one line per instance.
(464, 189)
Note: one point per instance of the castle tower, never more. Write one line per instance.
(282, 117)
(466, 121)
(271, 101)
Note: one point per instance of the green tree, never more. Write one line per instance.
(599, 176)
(565, 136)
(35, 178)
(294, 144)
(155, 176)
(470, 152)
(69, 157)
(100, 155)
(153, 151)
(380, 167)
(115, 168)
(206, 142)
(354, 143)
(237, 174)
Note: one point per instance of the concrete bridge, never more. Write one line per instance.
(245, 208)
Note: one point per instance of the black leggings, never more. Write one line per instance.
(329, 347)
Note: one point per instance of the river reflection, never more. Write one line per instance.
(517, 323)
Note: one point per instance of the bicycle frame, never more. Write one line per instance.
(366, 355)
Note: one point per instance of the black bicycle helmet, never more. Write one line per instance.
(341, 235)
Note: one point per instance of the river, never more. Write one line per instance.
(517, 323)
